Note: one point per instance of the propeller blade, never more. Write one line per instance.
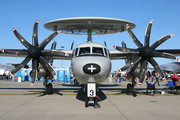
(135, 51)
(160, 41)
(147, 34)
(35, 33)
(164, 55)
(34, 71)
(23, 63)
(15, 51)
(136, 59)
(133, 37)
(143, 71)
(156, 66)
(47, 66)
(53, 53)
(48, 39)
(21, 39)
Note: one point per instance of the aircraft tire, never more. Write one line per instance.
(86, 101)
(49, 88)
(129, 88)
(96, 105)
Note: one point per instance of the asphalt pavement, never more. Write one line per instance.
(19, 101)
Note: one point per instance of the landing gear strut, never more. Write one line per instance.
(91, 95)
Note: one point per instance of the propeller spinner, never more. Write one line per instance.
(145, 53)
(35, 52)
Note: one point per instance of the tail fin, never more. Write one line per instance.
(124, 46)
(53, 46)
(72, 44)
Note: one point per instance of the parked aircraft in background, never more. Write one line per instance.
(7, 67)
(90, 62)
(172, 67)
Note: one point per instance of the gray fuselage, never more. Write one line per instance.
(91, 63)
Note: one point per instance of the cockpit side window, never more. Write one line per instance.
(105, 52)
(76, 52)
(97, 50)
(84, 51)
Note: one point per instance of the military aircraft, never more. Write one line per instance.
(90, 62)
(171, 68)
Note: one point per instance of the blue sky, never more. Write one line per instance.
(23, 13)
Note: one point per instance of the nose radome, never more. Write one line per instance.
(91, 68)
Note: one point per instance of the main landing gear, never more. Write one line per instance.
(91, 95)
(130, 87)
(48, 87)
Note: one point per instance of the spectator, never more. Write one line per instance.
(157, 78)
(8, 76)
(174, 78)
(119, 77)
(26, 76)
(116, 78)
(177, 87)
(71, 78)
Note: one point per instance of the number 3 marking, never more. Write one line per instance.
(92, 92)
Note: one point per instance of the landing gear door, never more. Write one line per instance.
(91, 90)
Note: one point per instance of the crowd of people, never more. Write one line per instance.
(154, 76)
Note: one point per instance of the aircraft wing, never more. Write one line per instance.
(115, 55)
(23, 53)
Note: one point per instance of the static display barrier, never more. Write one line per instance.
(61, 75)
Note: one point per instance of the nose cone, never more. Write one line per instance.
(91, 68)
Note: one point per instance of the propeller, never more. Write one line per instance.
(145, 53)
(35, 52)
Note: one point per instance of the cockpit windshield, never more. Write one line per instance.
(91, 51)
(84, 50)
(97, 50)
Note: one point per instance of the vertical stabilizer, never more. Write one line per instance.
(124, 46)
(53, 46)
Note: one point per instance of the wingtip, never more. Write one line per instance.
(114, 46)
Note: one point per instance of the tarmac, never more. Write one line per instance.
(18, 101)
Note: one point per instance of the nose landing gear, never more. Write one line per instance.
(91, 95)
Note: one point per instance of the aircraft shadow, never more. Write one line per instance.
(114, 89)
